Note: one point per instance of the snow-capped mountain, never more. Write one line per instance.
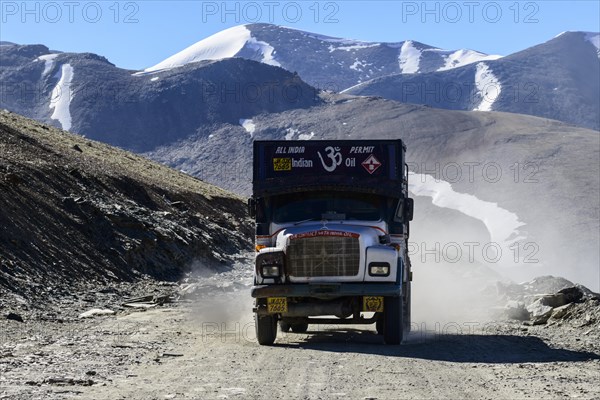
(559, 79)
(322, 61)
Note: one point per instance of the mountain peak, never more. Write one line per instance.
(223, 44)
(321, 60)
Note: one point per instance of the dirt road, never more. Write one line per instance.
(204, 347)
(209, 363)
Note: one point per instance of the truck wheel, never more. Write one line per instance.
(266, 329)
(392, 320)
(379, 325)
(406, 308)
(301, 327)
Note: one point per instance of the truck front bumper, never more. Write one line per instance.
(326, 290)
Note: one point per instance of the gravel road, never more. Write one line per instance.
(203, 347)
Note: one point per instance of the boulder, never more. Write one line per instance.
(572, 294)
(540, 313)
(14, 317)
(554, 300)
(562, 311)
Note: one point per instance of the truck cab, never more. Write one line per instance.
(332, 226)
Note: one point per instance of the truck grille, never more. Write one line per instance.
(323, 256)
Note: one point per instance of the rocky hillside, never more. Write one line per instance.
(80, 213)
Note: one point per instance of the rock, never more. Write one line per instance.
(562, 311)
(96, 311)
(139, 305)
(554, 300)
(572, 294)
(77, 148)
(537, 308)
(516, 310)
(540, 313)
(14, 317)
(547, 284)
(65, 381)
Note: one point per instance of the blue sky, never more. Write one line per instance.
(138, 34)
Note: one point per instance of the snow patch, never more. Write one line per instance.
(465, 57)
(501, 224)
(248, 125)
(265, 49)
(359, 65)
(224, 44)
(306, 136)
(594, 39)
(353, 47)
(154, 79)
(62, 96)
(48, 63)
(291, 132)
(488, 87)
(409, 58)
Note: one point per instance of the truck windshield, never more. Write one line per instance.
(307, 206)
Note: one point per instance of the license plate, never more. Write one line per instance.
(276, 305)
(373, 303)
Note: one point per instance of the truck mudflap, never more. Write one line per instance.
(327, 290)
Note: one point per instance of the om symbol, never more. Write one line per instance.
(334, 155)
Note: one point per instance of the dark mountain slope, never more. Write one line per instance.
(74, 212)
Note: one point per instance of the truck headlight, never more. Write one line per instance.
(379, 269)
(270, 271)
(269, 264)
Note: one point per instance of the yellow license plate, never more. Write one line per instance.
(276, 305)
(373, 303)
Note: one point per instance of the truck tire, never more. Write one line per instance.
(301, 327)
(406, 305)
(393, 323)
(266, 329)
(379, 325)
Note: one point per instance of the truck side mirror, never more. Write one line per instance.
(408, 208)
(252, 207)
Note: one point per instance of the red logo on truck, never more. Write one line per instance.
(371, 164)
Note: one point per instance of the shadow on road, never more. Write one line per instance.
(454, 348)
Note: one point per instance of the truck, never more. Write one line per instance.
(332, 227)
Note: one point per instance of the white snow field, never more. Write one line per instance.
(224, 44)
(409, 58)
(61, 97)
(267, 51)
(488, 87)
(463, 57)
(48, 62)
